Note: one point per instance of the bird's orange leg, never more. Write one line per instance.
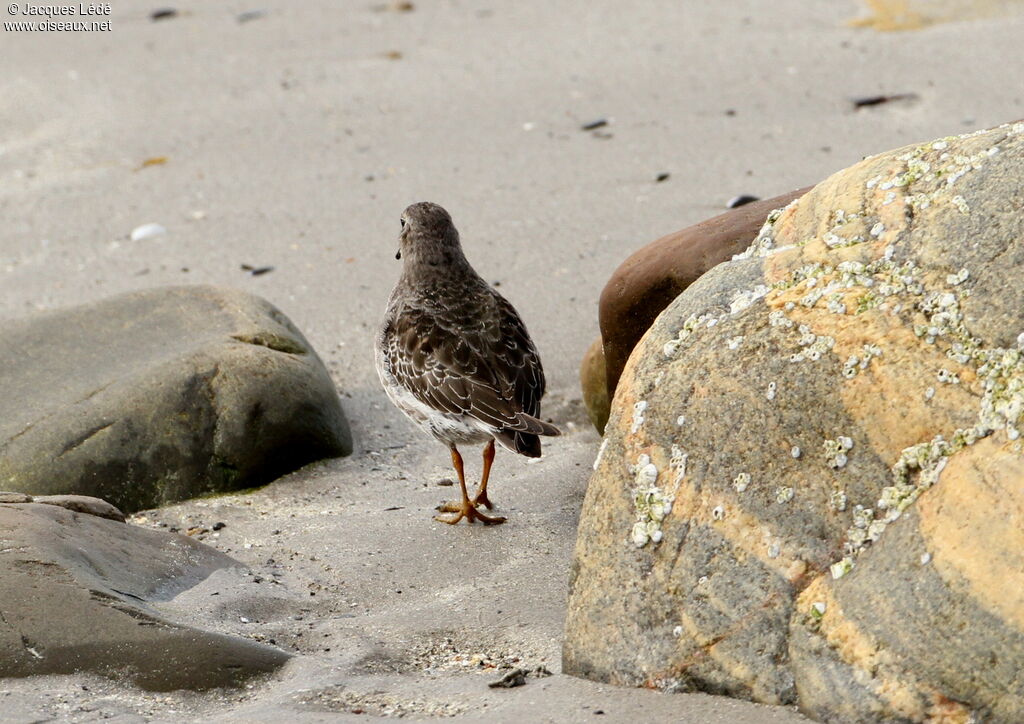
(466, 510)
(481, 493)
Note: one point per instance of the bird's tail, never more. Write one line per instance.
(527, 442)
(536, 426)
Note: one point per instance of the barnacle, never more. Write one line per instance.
(638, 415)
(650, 503)
(835, 451)
(841, 567)
(764, 243)
(691, 324)
(744, 299)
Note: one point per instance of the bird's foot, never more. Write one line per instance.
(454, 507)
(482, 499)
(468, 511)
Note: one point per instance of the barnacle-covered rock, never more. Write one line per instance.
(875, 324)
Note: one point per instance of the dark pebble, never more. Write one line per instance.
(599, 123)
(219, 525)
(737, 201)
(163, 14)
(866, 101)
(662, 177)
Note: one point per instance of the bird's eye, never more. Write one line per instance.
(403, 222)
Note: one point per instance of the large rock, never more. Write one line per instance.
(161, 395)
(83, 593)
(810, 485)
(651, 277)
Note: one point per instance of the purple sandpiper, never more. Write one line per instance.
(455, 357)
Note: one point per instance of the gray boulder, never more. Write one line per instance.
(83, 593)
(810, 486)
(161, 395)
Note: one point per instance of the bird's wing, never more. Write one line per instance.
(485, 366)
(520, 357)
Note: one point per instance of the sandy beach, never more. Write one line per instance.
(292, 138)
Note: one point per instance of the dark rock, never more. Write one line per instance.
(809, 490)
(81, 593)
(647, 281)
(161, 395)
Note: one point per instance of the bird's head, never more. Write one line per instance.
(428, 236)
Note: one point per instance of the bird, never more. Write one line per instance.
(454, 356)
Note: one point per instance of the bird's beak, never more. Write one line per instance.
(398, 254)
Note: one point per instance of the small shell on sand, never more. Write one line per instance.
(147, 231)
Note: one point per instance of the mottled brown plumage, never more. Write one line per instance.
(454, 355)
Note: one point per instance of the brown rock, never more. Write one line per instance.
(646, 282)
(593, 382)
(810, 486)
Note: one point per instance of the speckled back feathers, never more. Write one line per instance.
(452, 353)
